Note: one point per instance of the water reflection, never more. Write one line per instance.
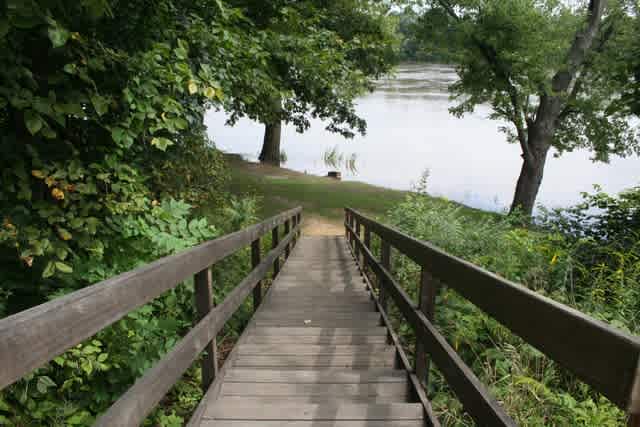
(410, 130)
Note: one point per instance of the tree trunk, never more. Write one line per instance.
(271, 144)
(531, 172)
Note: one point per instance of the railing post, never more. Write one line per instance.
(355, 243)
(385, 260)
(204, 304)
(255, 261)
(367, 244)
(428, 290)
(287, 229)
(294, 222)
(275, 241)
(347, 220)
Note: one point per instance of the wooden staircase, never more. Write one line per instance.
(320, 349)
(315, 353)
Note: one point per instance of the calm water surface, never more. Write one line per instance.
(410, 130)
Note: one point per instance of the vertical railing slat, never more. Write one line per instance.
(275, 240)
(204, 303)
(255, 261)
(428, 290)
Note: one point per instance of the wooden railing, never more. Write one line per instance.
(33, 337)
(601, 356)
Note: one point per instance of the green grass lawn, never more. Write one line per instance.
(322, 197)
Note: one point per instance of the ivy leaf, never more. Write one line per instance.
(49, 270)
(100, 103)
(63, 268)
(193, 87)
(161, 143)
(58, 35)
(210, 92)
(33, 121)
(64, 234)
(43, 384)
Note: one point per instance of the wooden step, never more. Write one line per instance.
(287, 349)
(364, 316)
(391, 392)
(248, 410)
(317, 340)
(315, 423)
(320, 376)
(314, 331)
(380, 359)
(320, 323)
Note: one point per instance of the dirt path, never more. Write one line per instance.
(319, 226)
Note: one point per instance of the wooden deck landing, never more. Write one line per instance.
(314, 354)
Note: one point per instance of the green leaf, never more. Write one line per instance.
(161, 143)
(44, 383)
(63, 268)
(87, 366)
(49, 270)
(58, 35)
(81, 418)
(33, 121)
(210, 92)
(100, 103)
(193, 87)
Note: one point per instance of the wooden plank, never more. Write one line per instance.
(595, 352)
(383, 359)
(285, 349)
(204, 303)
(473, 395)
(329, 307)
(314, 331)
(322, 323)
(132, 408)
(368, 316)
(315, 423)
(33, 337)
(318, 340)
(363, 390)
(325, 376)
(232, 409)
(255, 261)
(426, 304)
(326, 399)
(275, 239)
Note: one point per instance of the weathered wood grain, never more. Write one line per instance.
(232, 409)
(325, 376)
(204, 303)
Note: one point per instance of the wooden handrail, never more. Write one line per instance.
(33, 337)
(595, 352)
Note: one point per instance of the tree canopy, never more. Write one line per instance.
(546, 68)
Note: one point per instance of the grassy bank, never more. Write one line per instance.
(322, 198)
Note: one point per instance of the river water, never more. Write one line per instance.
(410, 130)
